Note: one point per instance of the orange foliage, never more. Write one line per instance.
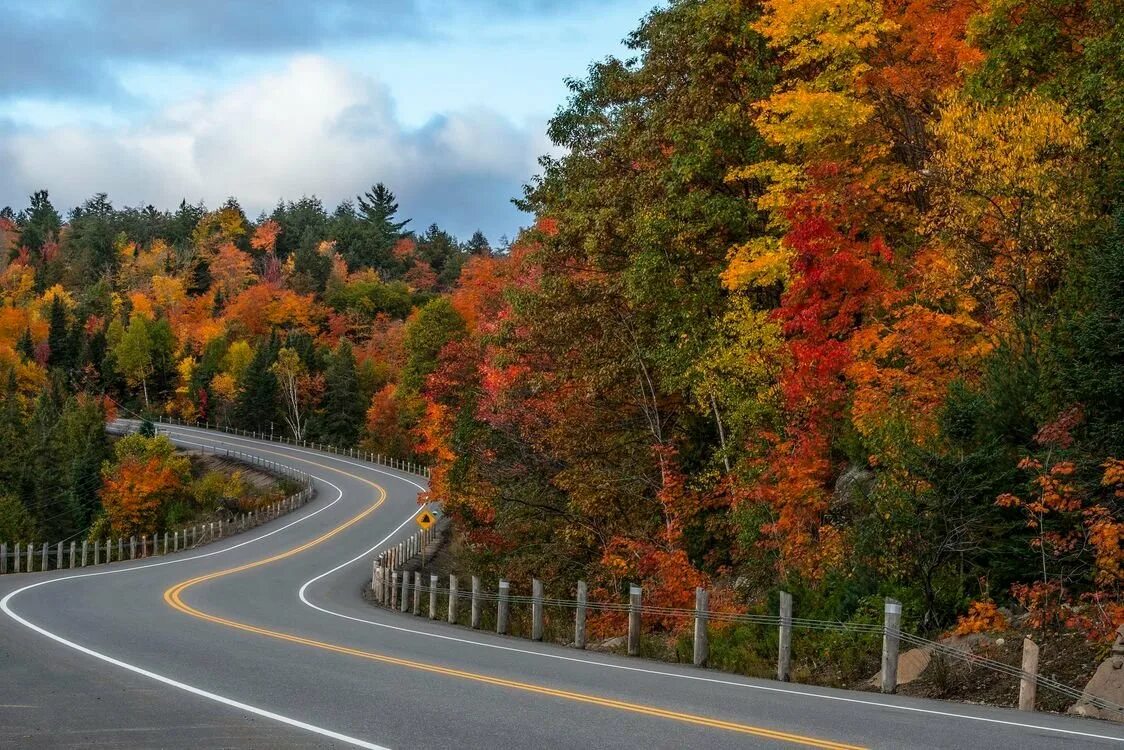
(134, 493)
(982, 617)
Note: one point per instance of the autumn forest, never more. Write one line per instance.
(821, 296)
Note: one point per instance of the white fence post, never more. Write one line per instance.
(536, 610)
(1028, 683)
(784, 652)
(433, 596)
(452, 599)
(579, 616)
(634, 597)
(891, 634)
(475, 621)
(417, 591)
(502, 608)
(702, 643)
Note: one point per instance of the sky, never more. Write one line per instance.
(156, 102)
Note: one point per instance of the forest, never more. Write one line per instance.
(820, 296)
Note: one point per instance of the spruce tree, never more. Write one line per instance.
(342, 417)
(256, 407)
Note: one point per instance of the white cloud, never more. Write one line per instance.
(311, 127)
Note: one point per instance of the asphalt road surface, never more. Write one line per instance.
(262, 640)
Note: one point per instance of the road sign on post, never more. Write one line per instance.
(425, 519)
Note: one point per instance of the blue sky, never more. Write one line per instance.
(153, 102)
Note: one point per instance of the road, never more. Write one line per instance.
(263, 640)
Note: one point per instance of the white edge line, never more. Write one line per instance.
(302, 594)
(168, 680)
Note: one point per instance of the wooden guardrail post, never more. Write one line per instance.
(475, 621)
(433, 596)
(85, 545)
(45, 550)
(393, 589)
(536, 610)
(73, 546)
(891, 637)
(417, 591)
(784, 652)
(1028, 683)
(3, 558)
(452, 599)
(97, 552)
(702, 642)
(16, 559)
(579, 616)
(132, 548)
(405, 603)
(58, 557)
(120, 548)
(502, 608)
(634, 595)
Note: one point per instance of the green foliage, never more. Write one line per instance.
(341, 419)
(434, 326)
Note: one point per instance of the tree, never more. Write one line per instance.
(143, 478)
(378, 207)
(341, 417)
(427, 332)
(256, 407)
(59, 336)
(478, 244)
(133, 354)
(40, 222)
(298, 390)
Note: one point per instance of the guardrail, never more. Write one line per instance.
(53, 556)
(390, 462)
(403, 590)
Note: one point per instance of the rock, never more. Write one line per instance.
(1107, 684)
(609, 644)
(852, 484)
(910, 666)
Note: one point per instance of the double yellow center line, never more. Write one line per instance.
(174, 597)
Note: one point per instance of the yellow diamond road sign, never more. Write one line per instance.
(425, 519)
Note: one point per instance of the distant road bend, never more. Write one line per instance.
(262, 640)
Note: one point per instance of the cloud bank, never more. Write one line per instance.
(312, 127)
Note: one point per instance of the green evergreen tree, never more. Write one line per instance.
(59, 337)
(40, 222)
(341, 419)
(256, 407)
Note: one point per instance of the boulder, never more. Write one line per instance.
(1107, 684)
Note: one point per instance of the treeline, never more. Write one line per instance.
(293, 323)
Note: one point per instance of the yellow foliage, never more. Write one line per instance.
(762, 261)
(804, 119)
(1010, 191)
(831, 34)
(168, 292)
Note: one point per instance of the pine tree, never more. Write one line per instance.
(58, 337)
(26, 345)
(378, 207)
(256, 407)
(342, 417)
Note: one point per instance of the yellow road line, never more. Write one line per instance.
(173, 596)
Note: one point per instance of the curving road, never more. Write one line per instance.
(263, 641)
